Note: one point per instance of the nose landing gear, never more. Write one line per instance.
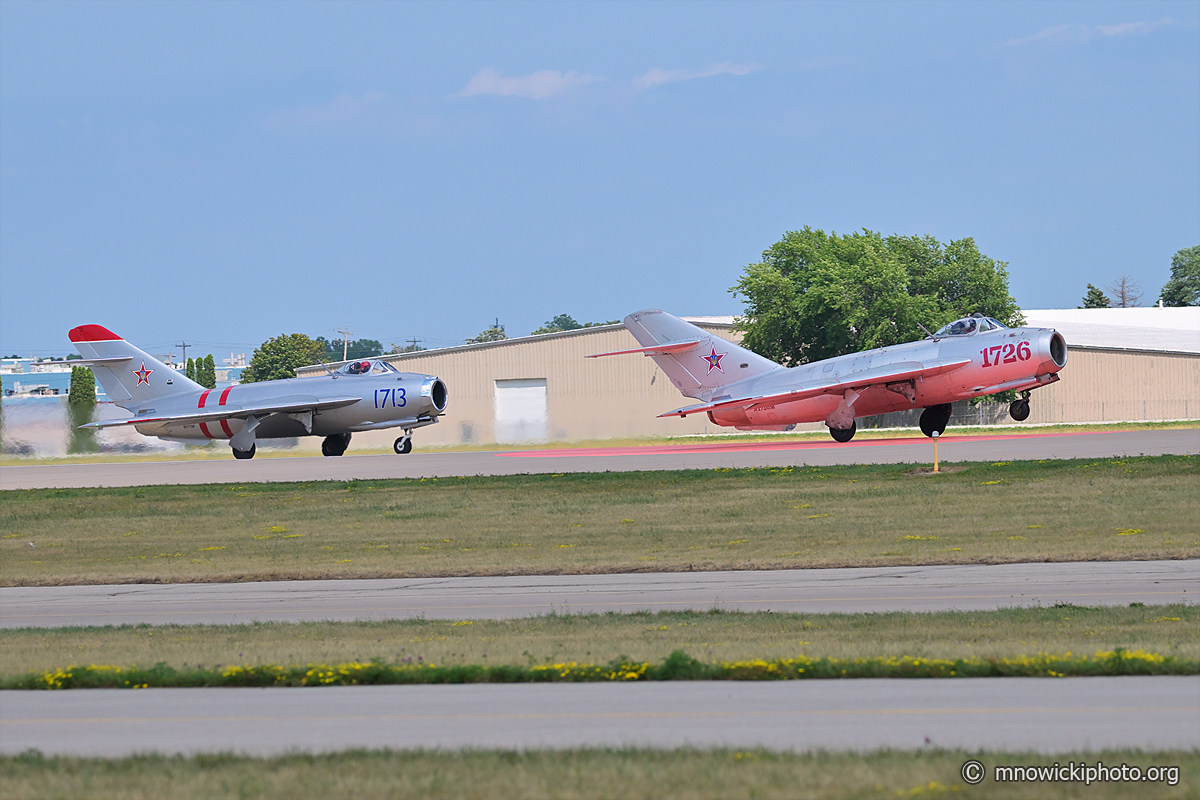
(403, 445)
(1019, 410)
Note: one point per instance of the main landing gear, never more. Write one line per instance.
(245, 453)
(843, 435)
(934, 419)
(403, 445)
(1019, 410)
(335, 445)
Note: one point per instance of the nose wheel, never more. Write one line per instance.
(403, 445)
(1019, 410)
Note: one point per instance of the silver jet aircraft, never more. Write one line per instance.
(970, 357)
(364, 395)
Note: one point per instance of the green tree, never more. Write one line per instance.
(189, 369)
(1095, 298)
(206, 372)
(1183, 289)
(81, 405)
(278, 357)
(354, 349)
(493, 334)
(563, 322)
(816, 295)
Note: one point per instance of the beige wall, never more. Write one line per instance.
(1100, 385)
(621, 396)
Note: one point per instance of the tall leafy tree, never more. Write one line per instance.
(1095, 298)
(816, 295)
(206, 372)
(81, 405)
(1183, 289)
(189, 369)
(278, 357)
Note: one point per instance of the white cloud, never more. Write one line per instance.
(657, 76)
(1083, 33)
(535, 86)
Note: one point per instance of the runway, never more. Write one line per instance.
(1046, 715)
(707, 455)
(928, 588)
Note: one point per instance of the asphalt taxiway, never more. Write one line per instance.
(1047, 715)
(702, 455)
(921, 588)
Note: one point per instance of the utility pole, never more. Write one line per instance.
(185, 346)
(345, 342)
(414, 342)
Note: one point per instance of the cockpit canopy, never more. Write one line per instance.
(969, 325)
(367, 367)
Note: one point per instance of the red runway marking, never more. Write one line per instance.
(754, 447)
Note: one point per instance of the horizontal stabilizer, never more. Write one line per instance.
(283, 405)
(656, 350)
(891, 373)
(87, 362)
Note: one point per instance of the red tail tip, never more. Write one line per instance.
(92, 333)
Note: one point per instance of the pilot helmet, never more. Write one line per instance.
(365, 366)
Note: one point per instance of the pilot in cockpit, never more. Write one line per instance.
(962, 327)
(358, 368)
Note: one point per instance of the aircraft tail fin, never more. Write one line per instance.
(698, 362)
(130, 377)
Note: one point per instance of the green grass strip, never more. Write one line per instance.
(579, 774)
(677, 666)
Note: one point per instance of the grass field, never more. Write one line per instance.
(575, 775)
(598, 638)
(1128, 508)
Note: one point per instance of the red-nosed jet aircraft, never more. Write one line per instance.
(970, 357)
(362, 395)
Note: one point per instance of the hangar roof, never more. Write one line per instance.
(1172, 330)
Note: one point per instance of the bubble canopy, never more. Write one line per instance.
(968, 326)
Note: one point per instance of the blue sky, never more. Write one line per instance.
(226, 172)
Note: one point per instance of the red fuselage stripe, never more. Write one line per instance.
(224, 396)
(203, 397)
(225, 427)
(204, 430)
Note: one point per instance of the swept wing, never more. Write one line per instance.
(892, 373)
(277, 405)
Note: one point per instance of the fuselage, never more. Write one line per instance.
(997, 360)
(389, 400)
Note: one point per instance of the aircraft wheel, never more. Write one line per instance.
(935, 418)
(403, 445)
(245, 453)
(1019, 410)
(843, 435)
(335, 445)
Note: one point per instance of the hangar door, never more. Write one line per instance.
(521, 411)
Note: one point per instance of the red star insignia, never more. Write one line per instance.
(143, 375)
(714, 360)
